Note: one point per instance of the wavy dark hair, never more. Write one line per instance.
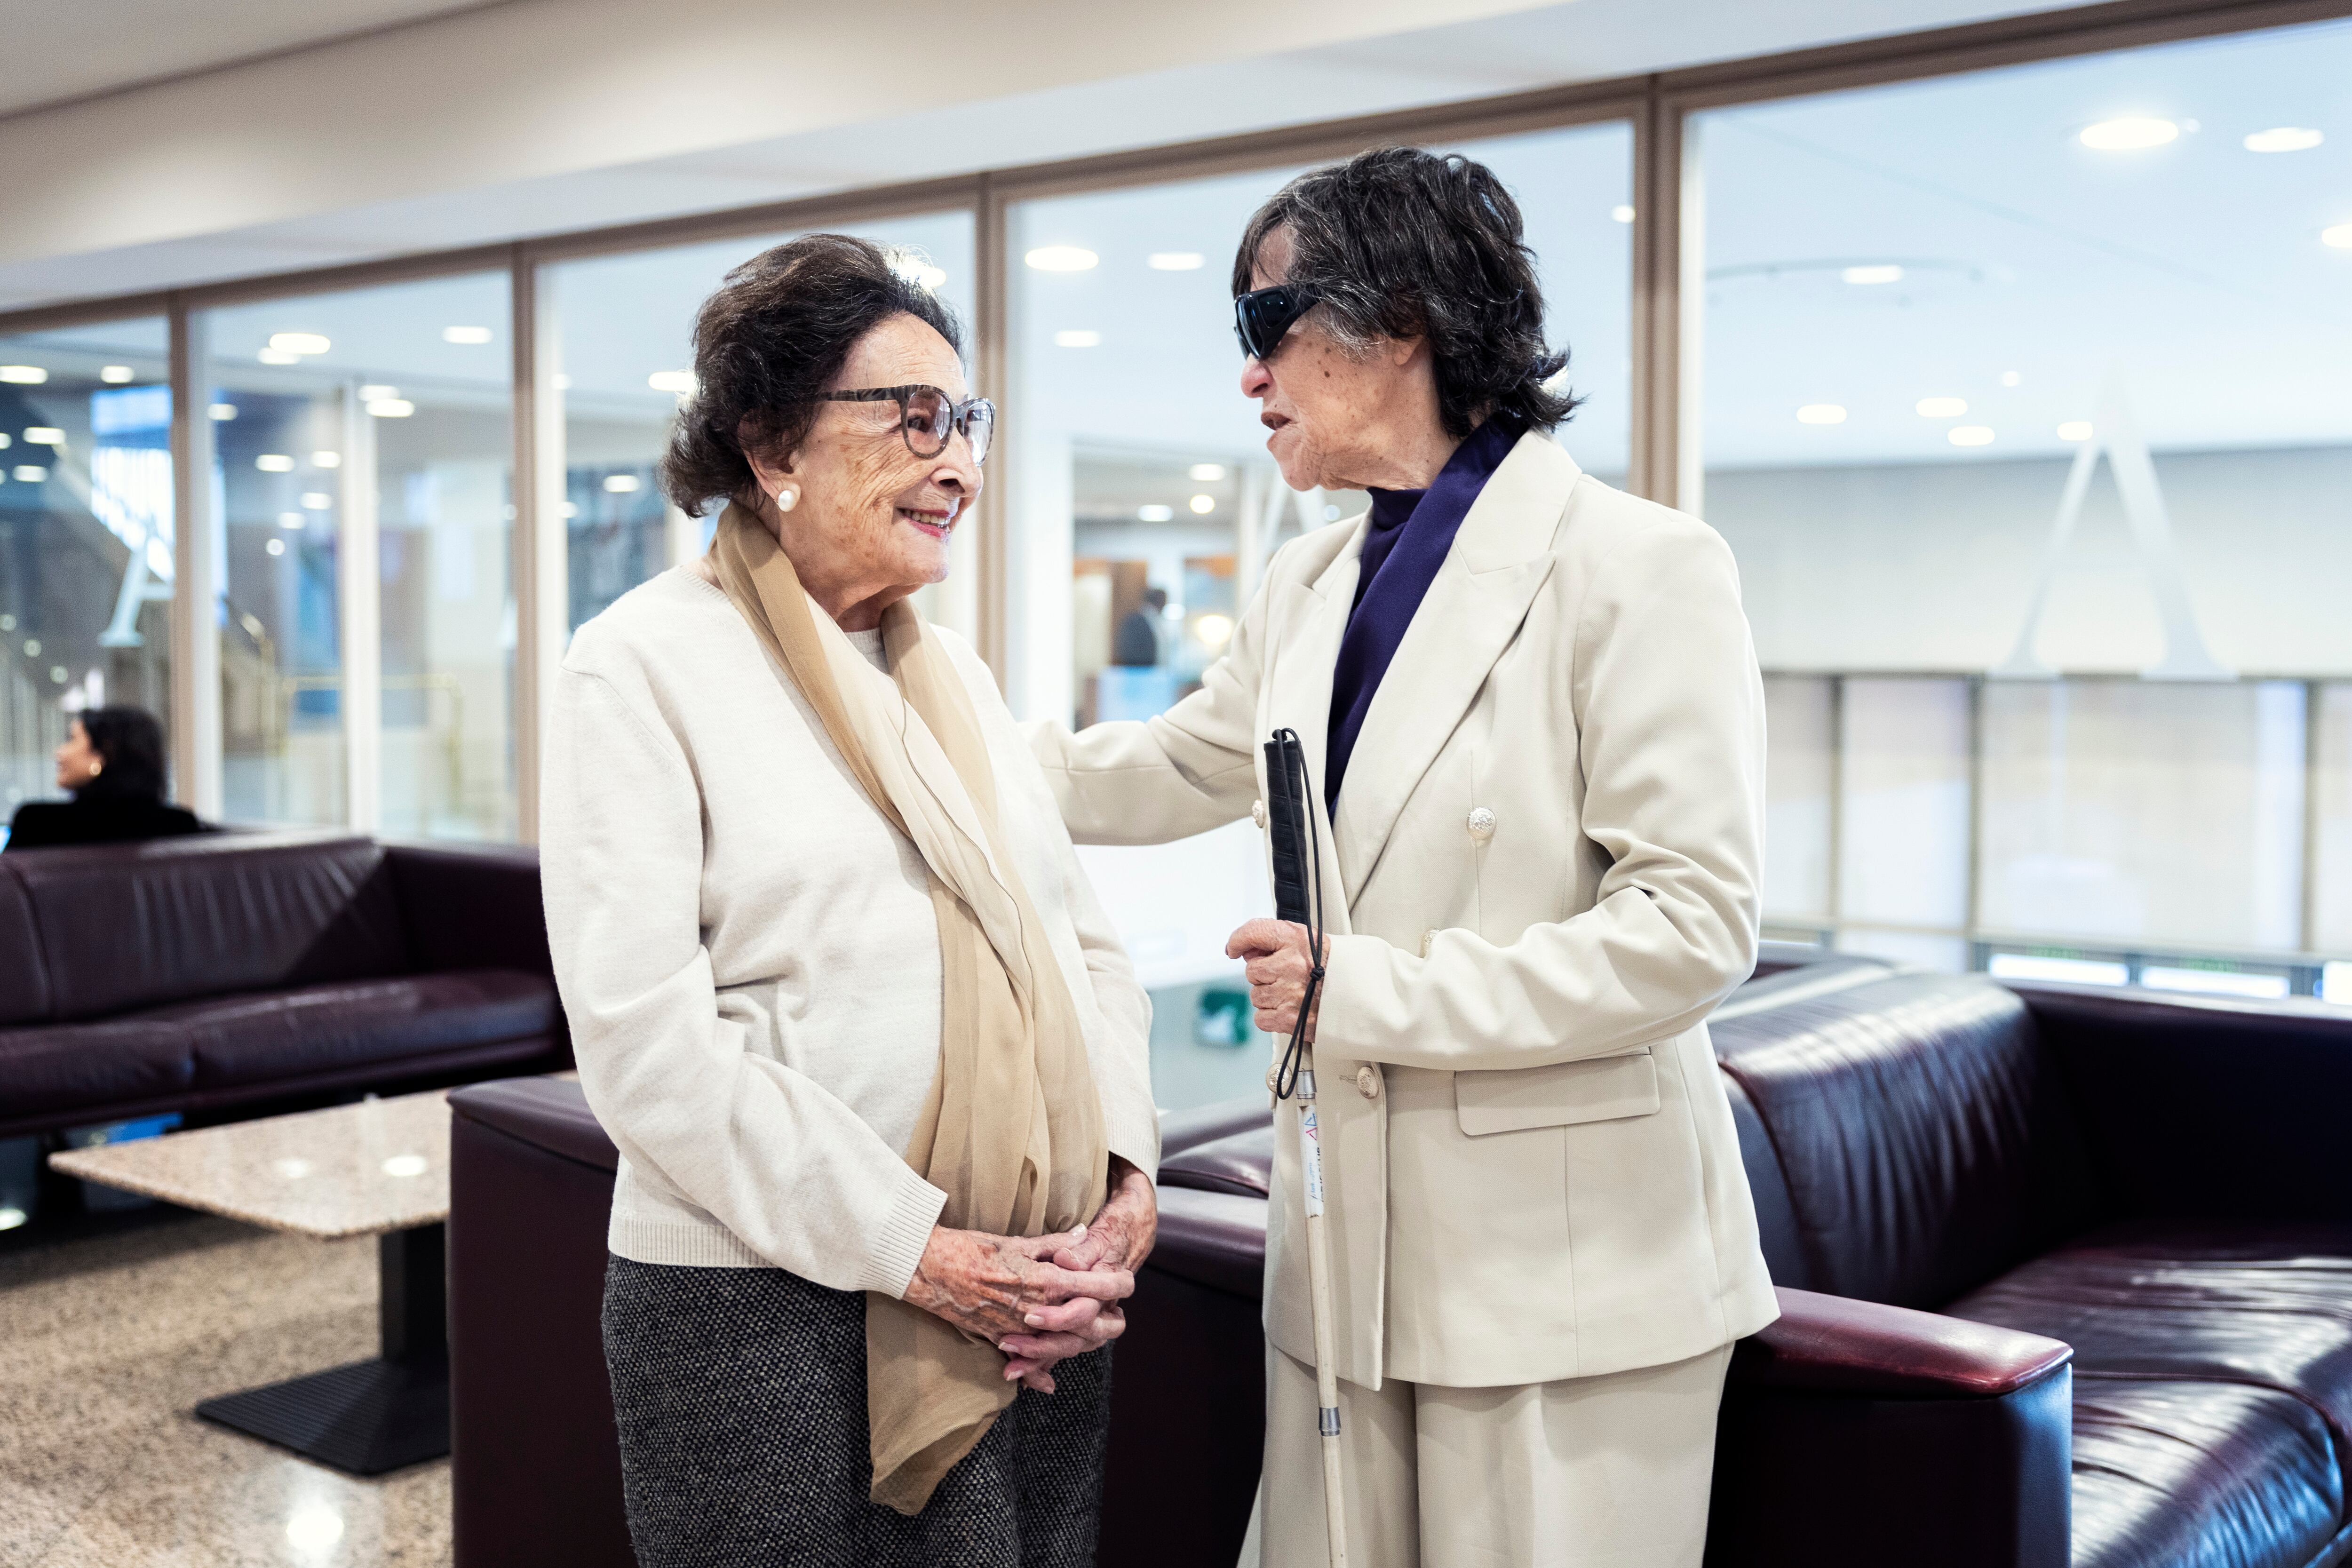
(130, 743)
(772, 337)
(1407, 244)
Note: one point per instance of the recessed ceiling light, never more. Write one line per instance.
(1170, 261)
(221, 412)
(1942, 408)
(1878, 272)
(405, 1165)
(6, 440)
(115, 374)
(274, 463)
(2074, 430)
(32, 473)
(274, 546)
(678, 381)
(289, 520)
(620, 484)
(299, 343)
(326, 459)
(376, 394)
(1154, 514)
(464, 334)
(392, 408)
(2285, 139)
(2011, 378)
(2128, 134)
(44, 436)
(317, 500)
(1821, 413)
(1969, 435)
(1078, 338)
(1204, 505)
(23, 375)
(1205, 473)
(1622, 213)
(1061, 258)
(278, 356)
(2340, 236)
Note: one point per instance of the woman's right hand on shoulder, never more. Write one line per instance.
(998, 1287)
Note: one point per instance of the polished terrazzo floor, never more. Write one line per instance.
(107, 1341)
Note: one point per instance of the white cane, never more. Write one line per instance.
(1298, 865)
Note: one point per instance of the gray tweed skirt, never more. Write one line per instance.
(740, 1397)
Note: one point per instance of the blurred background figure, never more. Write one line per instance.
(113, 765)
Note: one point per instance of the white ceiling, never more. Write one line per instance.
(542, 116)
(61, 51)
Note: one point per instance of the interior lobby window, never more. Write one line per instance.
(364, 443)
(2027, 408)
(1144, 507)
(619, 330)
(86, 536)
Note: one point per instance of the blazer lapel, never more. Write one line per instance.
(1500, 558)
(1298, 688)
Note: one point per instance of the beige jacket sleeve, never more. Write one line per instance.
(1668, 723)
(1186, 771)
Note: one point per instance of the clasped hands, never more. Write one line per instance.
(1043, 1298)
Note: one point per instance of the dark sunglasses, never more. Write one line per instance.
(1263, 315)
(927, 416)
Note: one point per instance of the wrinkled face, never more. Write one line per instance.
(1322, 403)
(78, 760)
(871, 519)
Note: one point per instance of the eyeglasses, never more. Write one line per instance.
(1263, 315)
(927, 416)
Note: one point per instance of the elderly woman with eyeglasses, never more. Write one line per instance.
(1535, 731)
(871, 1053)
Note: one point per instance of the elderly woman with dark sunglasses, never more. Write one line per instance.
(1534, 727)
(838, 989)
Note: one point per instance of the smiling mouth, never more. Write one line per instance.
(937, 524)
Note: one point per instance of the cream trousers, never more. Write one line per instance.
(1590, 1472)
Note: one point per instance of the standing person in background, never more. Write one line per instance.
(1533, 718)
(874, 1060)
(1138, 642)
(112, 763)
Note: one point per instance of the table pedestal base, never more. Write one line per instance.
(363, 1419)
(372, 1416)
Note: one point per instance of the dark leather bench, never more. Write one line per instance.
(2066, 1278)
(228, 973)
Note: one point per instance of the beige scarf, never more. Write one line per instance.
(1012, 1130)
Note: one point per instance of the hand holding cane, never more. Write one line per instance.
(1298, 867)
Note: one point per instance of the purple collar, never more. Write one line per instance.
(1406, 540)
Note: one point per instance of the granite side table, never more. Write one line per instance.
(379, 1168)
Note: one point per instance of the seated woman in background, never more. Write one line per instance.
(112, 763)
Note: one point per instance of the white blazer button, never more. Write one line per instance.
(1481, 824)
(1257, 814)
(1368, 1083)
(1274, 1081)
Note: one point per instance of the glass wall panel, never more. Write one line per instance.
(1143, 505)
(1799, 772)
(365, 463)
(2331, 860)
(2046, 372)
(617, 328)
(2132, 815)
(1903, 815)
(86, 536)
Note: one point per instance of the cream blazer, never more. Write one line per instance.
(1542, 878)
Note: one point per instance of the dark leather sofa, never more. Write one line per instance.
(231, 973)
(2066, 1278)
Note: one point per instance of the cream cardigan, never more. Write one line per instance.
(747, 952)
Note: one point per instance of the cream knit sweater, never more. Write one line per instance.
(748, 956)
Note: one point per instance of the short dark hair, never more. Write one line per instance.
(131, 743)
(1408, 244)
(771, 338)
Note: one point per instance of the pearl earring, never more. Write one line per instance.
(786, 499)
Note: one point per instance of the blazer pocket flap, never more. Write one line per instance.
(1599, 1088)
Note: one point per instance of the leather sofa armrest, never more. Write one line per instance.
(1183, 1129)
(473, 907)
(1832, 1344)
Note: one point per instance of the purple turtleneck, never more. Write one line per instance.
(1405, 542)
